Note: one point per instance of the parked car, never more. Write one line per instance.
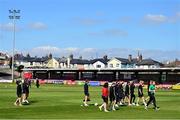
(176, 86)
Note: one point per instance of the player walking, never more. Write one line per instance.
(127, 93)
(25, 91)
(140, 93)
(19, 93)
(152, 88)
(105, 94)
(86, 93)
(112, 96)
(132, 95)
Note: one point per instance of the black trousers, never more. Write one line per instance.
(132, 98)
(152, 99)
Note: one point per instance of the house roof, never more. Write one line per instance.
(31, 59)
(79, 61)
(149, 62)
(134, 60)
(99, 59)
(62, 60)
(37, 60)
(173, 64)
(123, 60)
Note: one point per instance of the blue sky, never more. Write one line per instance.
(73, 26)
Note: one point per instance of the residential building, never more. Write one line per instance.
(30, 61)
(98, 63)
(79, 63)
(175, 63)
(148, 63)
(63, 62)
(53, 63)
(4, 59)
(117, 63)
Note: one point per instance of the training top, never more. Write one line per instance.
(152, 88)
(140, 89)
(112, 91)
(121, 89)
(25, 88)
(132, 87)
(127, 89)
(105, 92)
(86, 90)
(19, 89)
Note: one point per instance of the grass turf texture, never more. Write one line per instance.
(64, 102)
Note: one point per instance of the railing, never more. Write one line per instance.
(128, 69)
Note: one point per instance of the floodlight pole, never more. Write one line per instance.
(13, 16)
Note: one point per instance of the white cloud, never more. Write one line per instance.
(178, 14)
(115, 32)
(37, 26)
(88, 21)
(152, 18)
(110, 32)
(100, 13)
(159, 18)
(125, 19)
(71, 49)
(89, 53)
(34, 26)
(175, 18)
(43, 50)
(89, 50)
(9, 27)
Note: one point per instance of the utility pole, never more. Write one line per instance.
(13, 15)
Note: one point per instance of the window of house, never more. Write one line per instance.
(117, 65)
(98, 66)
(111, 65)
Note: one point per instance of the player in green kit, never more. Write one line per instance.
(152, 88)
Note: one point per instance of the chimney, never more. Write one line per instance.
(139, 58)
(80, 57)
(71, 56)
(50, 56)
(105, 57)
(130, 58)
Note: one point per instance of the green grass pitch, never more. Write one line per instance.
(64, 102)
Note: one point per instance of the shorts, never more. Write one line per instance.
(140, 95)
(126, 95)
(132, 95)
(112, 98)
(86, 94)
(105, 99)
(25, 91)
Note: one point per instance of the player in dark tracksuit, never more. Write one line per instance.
(37, 83)
(86, 93)
(117, 93)
(127, 93)
(147, 98)
(132, 95)
(140, 93)
(25, 91)
(112, 96)
(121, 92)
(19, 93)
